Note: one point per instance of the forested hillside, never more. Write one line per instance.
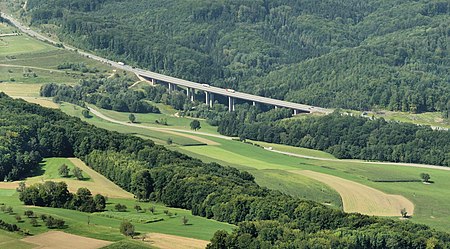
(391, 54)
(271, 219)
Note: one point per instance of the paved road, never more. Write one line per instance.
(425, 166)
(176, 81)
(178, 132)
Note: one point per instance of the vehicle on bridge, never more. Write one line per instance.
(231, 90)
(205, 85)
(121, 63)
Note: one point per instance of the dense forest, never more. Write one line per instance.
(390, 54)
(270, 219)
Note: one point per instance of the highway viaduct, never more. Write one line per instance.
(211, 91)
(190, 86)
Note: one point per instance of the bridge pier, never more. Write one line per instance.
(209, 99)
(254, 103)
(295, 112)
(153, 82)
(190, 92)
(231, 105)
(171, 87)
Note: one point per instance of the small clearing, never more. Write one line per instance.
(165, 241)
(360, 198)
(61, 240)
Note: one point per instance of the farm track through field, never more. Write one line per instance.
(31, 67)
(177, 132)
(360, 198)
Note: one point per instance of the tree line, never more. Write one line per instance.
(343, 135)
(210, 190)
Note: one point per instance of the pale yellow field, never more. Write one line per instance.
(40, 101)
(98, 185)
(20, 89)
(165, 241)
(61, 240)
(360, 198)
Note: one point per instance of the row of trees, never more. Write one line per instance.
(208, 189)
(51, 194)
(8, 227)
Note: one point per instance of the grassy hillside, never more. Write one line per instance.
(348, 54)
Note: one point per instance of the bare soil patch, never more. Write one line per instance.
(166, 241)
(61, 240)
(360, 198)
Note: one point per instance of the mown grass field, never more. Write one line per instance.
(14, 45)
(173, 122)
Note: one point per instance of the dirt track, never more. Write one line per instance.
(165, 130)
(360, 198)
(61, 240)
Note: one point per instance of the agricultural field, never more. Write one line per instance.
(104, 225)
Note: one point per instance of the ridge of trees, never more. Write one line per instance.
(207, 189)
